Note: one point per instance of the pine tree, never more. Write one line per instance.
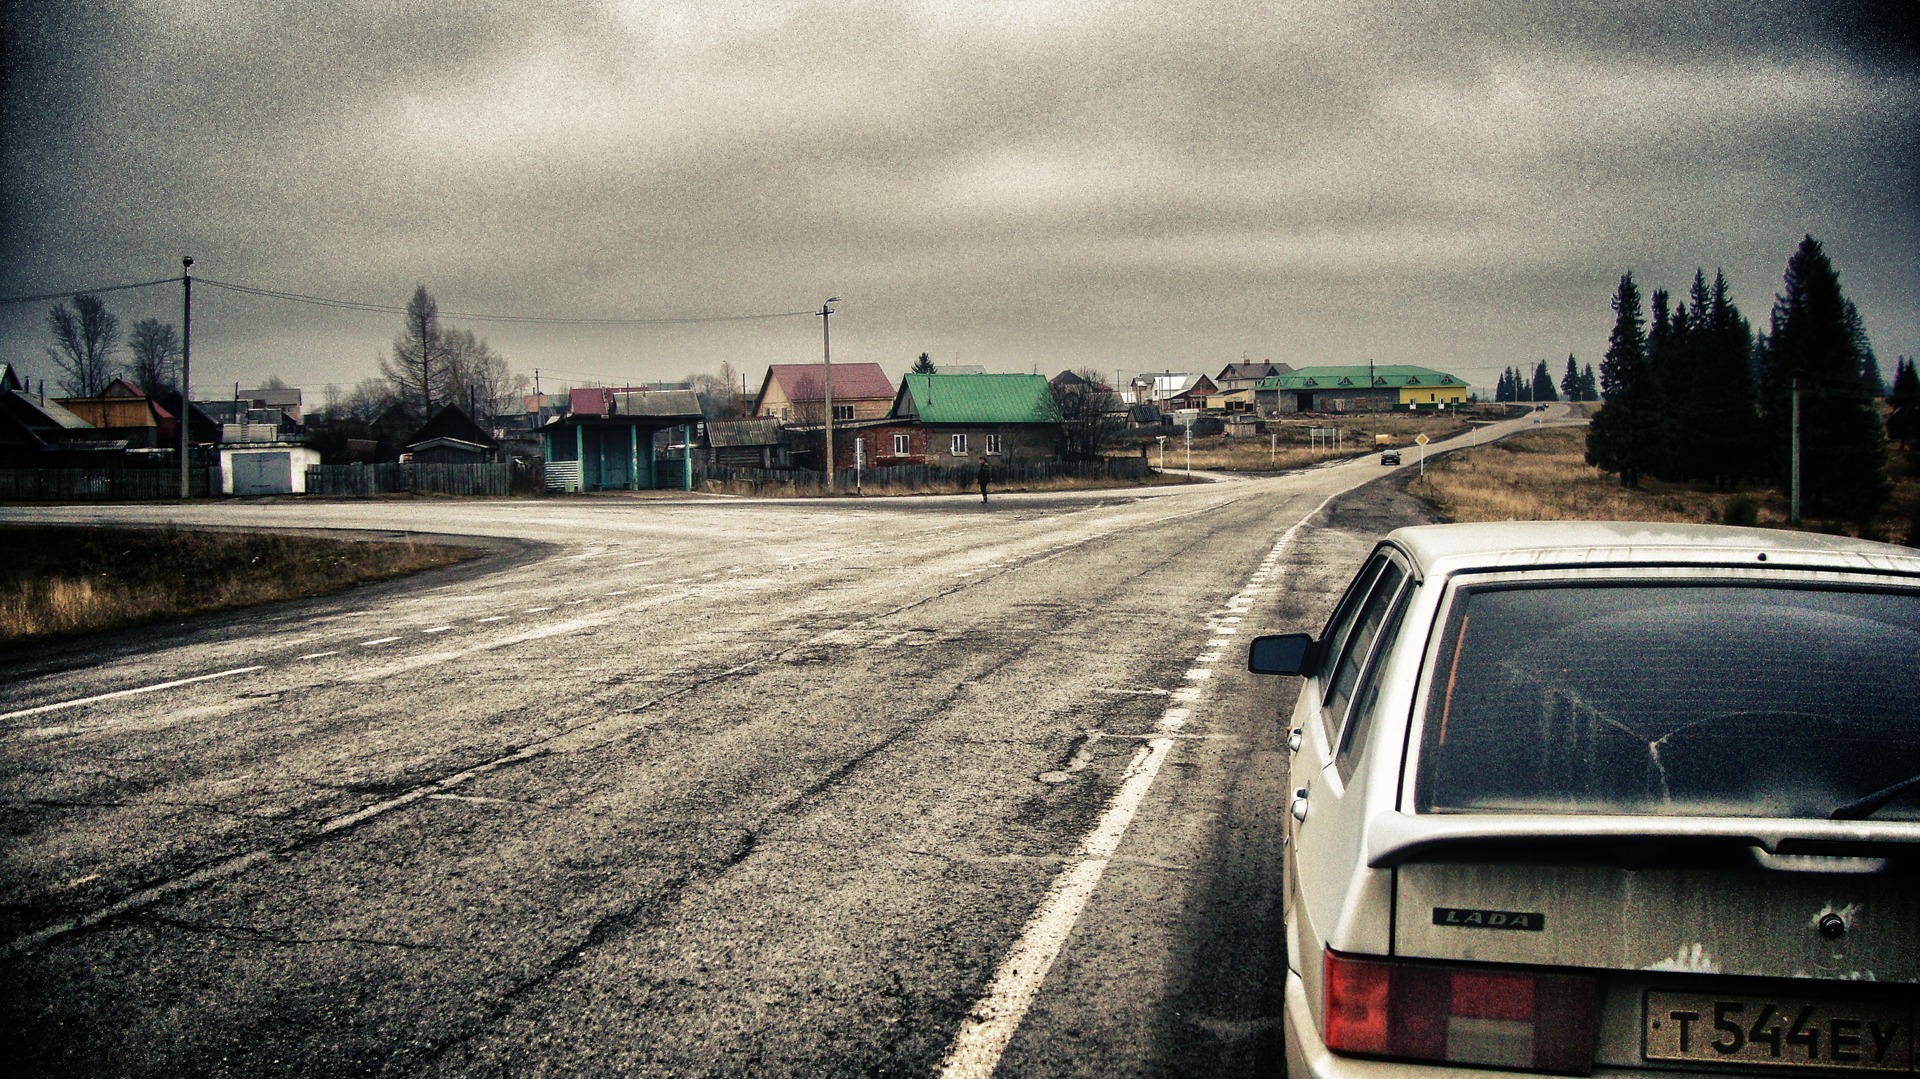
(1619, 437)
(1818, 345)
(1589, 384)
(1724, 411)
(923, 365)
(1543, 384)
(1570, 382)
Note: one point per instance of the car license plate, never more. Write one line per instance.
(1864, 1035)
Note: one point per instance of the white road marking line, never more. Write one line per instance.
(536, 610)
(622, 592)
(495, 618)
(318, 655)
(378, 640)
(77, 702)
(989, 1026)
(1199, 674)
(976, 1050)
(437, 629)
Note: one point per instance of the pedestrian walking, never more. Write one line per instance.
(983, 483)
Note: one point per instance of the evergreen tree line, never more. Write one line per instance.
(1575, 384)
(1697, 396)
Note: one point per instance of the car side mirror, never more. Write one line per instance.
(1284, 653)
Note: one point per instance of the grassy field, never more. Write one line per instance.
(1543, 476)
(78, 580)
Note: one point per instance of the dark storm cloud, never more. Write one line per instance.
(1116, 184)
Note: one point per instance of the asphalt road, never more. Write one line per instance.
(686, 786)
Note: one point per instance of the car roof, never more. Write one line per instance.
(1514, 544)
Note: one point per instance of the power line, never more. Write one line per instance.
(356, 305)
(91, 291)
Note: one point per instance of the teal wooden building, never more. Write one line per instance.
(605, 441)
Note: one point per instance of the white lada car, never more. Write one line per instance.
(1616, 799)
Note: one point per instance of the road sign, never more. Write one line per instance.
(1421, 439)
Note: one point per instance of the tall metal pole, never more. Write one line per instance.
(826, 336)
(186, 363)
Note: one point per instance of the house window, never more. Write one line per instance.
(842, 412)
(959, 445)
(993, 444)
(900, 447)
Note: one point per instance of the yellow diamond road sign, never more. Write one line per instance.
(1421, 439)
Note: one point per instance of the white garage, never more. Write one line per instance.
(266, 470)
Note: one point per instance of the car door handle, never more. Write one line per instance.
(1299, 809)
(1293, 739)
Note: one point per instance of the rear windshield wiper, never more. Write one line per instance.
(1862, 808)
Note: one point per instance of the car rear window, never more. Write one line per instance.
(1696, 700)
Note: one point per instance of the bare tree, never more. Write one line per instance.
(84, 338)
(470, 373)
(415, 352)
(1092, 420)
(156, 355)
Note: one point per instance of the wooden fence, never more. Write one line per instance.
(387, 479)
(926, 478)
(103, 484)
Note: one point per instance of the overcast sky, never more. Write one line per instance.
(1025, 186)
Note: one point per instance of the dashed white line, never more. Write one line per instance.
(437, 629)
(377, 641)
(494, 618)
(536, 610)
(622, 592)
(77, 702)
(318, 655)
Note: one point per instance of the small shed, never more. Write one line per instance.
(747, 444)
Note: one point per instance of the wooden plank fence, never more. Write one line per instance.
(414, 478)
(103, 484)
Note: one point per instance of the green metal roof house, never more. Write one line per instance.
(953, 420)
(1347, 389)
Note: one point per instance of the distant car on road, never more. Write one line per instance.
(1579, 797)
(1390, 457)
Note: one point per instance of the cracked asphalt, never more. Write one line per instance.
(672, 786)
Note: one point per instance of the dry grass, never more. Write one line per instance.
(79, 580)
(1543, 476)
(1294, 446)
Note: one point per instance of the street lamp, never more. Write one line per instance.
(826, 342)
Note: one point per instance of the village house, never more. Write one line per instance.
(1245, 376)
(452, 437)
(953, 421)
(795, 393)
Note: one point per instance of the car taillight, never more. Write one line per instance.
(1506, 1017)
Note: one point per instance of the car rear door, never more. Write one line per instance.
(1330, 799)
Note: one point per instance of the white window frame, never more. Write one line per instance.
(902, 445)
(993, 445)
(842, 413)
(959, 446)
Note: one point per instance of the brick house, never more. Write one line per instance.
(953, 421)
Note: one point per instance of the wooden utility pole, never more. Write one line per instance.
(826, 337)
(186, 358)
